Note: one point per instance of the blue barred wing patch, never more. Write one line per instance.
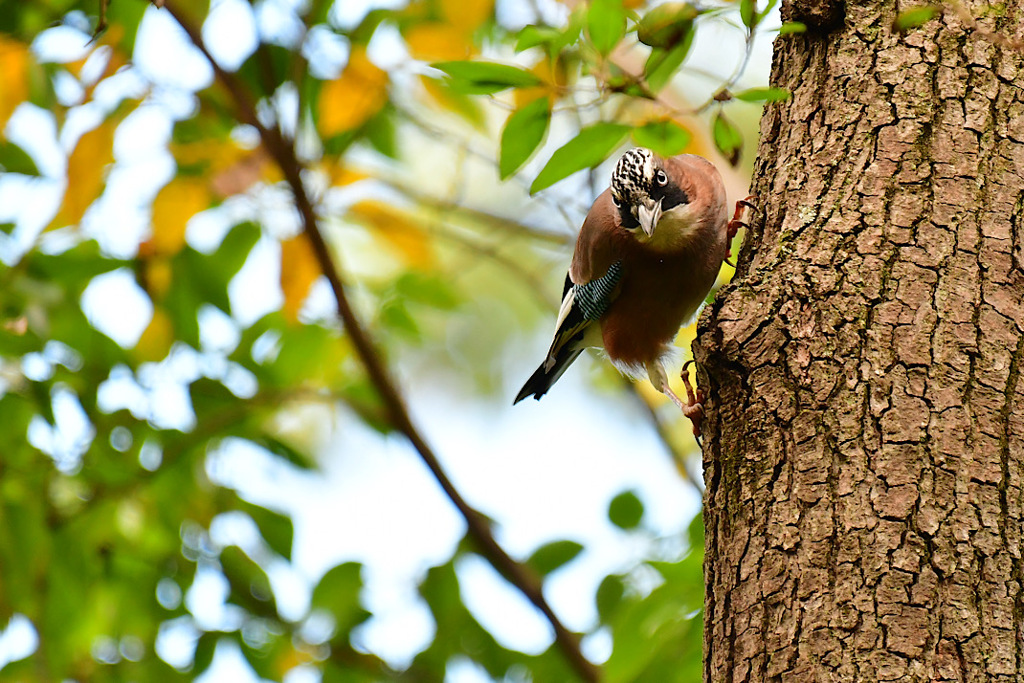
(594, 297)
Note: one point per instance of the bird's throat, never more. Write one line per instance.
(673, 232)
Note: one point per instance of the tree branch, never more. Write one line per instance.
(478, 528)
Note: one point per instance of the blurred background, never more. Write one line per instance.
(198, 478)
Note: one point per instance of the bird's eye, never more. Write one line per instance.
(661, 178)
(615, 201)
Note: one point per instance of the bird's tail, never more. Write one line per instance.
(541, 380)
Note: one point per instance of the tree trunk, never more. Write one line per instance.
(864, 438)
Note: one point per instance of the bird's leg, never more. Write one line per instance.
(694, 408)
(740, 216)
(656, 373)
(691, 408)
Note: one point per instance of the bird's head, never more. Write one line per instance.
(643, 190)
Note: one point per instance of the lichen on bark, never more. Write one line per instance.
(864, 446)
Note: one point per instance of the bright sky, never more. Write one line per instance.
(543, 470)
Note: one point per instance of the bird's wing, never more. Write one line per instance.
(583, 304)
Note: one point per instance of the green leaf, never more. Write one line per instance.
(606, 24)
(727, 138)
(553, 39)
(267, 69)
(485, 78)
(625, 511)
(695, 533)
(205, 647)
(128, 16)
(234, 249)
(338, 593)
(427, 290)
(194, 284)
(250, 585)
(609, 595)
(792, 27)
(551, 556)
(532, 36)
(661, 66)
(381, 134)
(306, 351)
(748, 13)
(589, 148)
(763, 95)
(769, 6)
(667, 25)
(277, 529)
(666, 138)
(285, 451)
(523, 133)
(393, 316)
(914, 17)
(13, 159)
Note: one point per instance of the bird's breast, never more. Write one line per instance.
(657, 296)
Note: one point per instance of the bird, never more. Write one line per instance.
(647, 255)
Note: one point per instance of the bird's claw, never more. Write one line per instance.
(740, 219)
(693, 409)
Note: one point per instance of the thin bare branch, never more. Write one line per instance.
(478, 528)
(502, 223)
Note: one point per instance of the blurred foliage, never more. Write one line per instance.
(106, 501)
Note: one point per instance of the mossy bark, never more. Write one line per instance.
(864, 438)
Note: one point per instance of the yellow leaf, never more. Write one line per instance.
(401, 231)
(14, 59)
(289, 659)
(438, 42)
(339, 174)
(215, 155)
(554, 79)
(351, 99)
(467, 15)
(86, 165)
(157, 338)
(156, 273)
(175, 204)
(270, 172)
(299, 270)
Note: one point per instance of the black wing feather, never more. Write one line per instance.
(589, 302)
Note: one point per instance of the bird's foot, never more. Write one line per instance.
(740, 219)
(693, 409)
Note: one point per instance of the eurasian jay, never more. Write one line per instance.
(646, 257)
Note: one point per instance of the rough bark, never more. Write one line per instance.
(864, 438)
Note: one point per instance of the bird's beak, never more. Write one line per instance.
(648, 213)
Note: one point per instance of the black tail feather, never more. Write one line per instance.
(541, 380)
